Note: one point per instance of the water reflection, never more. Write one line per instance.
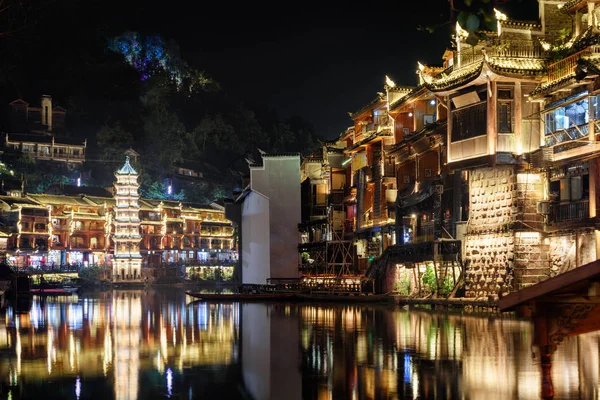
(145, 345)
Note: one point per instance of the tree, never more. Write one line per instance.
(474, 16)
(113, 141)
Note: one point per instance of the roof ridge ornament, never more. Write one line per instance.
(127, 169)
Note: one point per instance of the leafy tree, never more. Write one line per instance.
(159, 191)
(113, 141)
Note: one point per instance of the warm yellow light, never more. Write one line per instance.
(389, 82)
(500, 16)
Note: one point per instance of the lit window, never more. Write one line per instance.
(505, 111)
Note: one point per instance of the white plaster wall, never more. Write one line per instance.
(279, 180)
(270, 353)
(256, 239)
(256, 350)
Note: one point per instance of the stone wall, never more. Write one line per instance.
(554, 20)
(571, 250)
(489, 242)
(531, 263)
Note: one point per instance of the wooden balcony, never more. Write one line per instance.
(571, 211)
(567, 66)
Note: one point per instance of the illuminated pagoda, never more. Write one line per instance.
(127, 258)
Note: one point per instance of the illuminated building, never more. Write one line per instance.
(38, 131)
(43, 229)
(492, 159)
(373, 177)
(569, 154)
(127, 262)
(324, 248)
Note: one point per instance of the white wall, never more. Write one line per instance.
(279, 180)
(270, 354)
(256, 239)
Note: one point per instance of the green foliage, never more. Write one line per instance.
(429, 278)
(113, 141)
(447, 285)
(402, 285)
(91, 272)
(305, 257)
(159, 191)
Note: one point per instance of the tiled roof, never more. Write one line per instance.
(513, 23)
(127, 169)
(571, 4)
(275, 155)
(407, 96)
(369, 105)
(50, 199)
(515, 65)
(454, 78)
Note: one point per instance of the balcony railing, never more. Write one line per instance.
(574, 210)
(515, 48)
(565, 135)
(566, 66)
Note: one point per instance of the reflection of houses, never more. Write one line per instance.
(268, 213)
(323, 183)
(115, 336)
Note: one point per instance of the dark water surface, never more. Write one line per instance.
(156, 345)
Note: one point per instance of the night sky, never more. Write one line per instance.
(317, 60)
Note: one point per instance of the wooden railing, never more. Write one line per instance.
(566, 66)
(574, 210)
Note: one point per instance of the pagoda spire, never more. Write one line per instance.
(127, 258)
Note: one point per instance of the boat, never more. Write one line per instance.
(51, 292)
(345, 297)
(243, 296)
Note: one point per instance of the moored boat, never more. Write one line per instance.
(51, 292)
(243, 296)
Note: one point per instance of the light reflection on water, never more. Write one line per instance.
(154, 344)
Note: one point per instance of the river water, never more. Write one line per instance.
(157, 344)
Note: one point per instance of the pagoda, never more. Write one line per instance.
(127, 258)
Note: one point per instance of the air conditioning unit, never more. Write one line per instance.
(543, 207)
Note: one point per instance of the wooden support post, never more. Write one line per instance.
(437, 280)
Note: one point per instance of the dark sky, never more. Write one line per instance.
(316, 60)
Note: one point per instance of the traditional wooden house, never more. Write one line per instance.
(372, 175)
(324, 249)
(569, 155)
(492, 128)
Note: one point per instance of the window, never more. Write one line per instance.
(565, 117)
(505, 111)
(469, 120)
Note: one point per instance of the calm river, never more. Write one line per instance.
(155, 345)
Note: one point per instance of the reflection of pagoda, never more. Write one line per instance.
(127, 258)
